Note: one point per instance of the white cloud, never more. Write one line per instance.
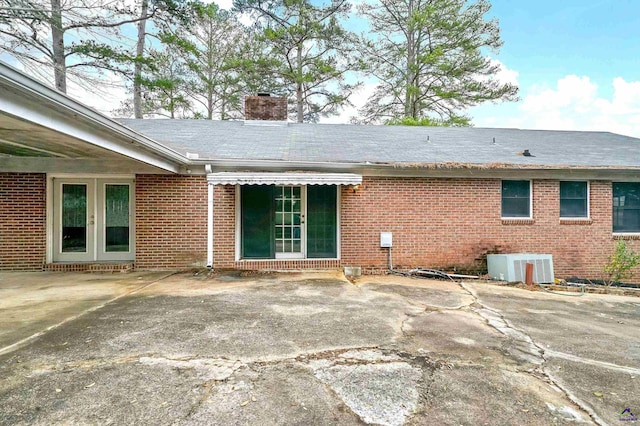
(575, 104)
(358, 99)
(505, 75)
(224, 4)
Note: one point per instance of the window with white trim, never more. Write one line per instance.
(626, 207)
(574, 199)
(516, 199)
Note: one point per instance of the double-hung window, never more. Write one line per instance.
(516, 199)
(574, 199)
(626, 207)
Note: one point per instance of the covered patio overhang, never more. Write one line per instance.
(45, 131)
(291, 178)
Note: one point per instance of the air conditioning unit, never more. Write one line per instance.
(512, 267)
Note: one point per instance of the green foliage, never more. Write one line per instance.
(621, 263)
(429, 57)
(163, 87)
(91, 37)
(308, 50)
(453, 121)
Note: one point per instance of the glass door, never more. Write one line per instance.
(74, 221)
(289, 222)
(115, 233)
(93, 220)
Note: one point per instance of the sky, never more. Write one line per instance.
(576, 62)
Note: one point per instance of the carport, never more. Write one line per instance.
(67, 178)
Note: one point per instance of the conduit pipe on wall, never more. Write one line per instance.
(209, 225)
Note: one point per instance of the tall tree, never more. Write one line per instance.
(429, 59)
(138, 64)
(164, 87)
(73, 38)
(313, 52)
(221, 56)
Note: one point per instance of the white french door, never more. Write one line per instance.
(289, 222)
(93, 220)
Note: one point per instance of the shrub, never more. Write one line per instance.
(621, 262)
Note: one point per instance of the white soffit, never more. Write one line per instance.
(291, 178)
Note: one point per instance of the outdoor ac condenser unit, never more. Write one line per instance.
(512, 267)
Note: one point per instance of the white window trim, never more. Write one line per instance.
(581, 218)
(530, 217)
(303, 229)
(238, 233)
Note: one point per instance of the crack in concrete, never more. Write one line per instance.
(603, 364)
(504, 327)
(26, 340)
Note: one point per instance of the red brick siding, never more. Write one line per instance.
(224, 214)
(22, 221)
(277, 265)
(439, 223)
(171, 221)
(265, 108)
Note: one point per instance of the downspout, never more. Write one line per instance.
(209, 221)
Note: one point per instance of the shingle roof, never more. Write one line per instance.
(343, 143)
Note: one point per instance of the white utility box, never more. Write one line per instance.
(512, 267)
(386, 239)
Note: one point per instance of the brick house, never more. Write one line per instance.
(81, 191)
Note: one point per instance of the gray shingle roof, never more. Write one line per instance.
(343, 143)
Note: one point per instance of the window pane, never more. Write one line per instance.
(322, 221)
(288, 217)
(573, 199)
(573, 189)
(626, 207)
(116, 199)
(515, 188)
(74, 218)
(516, 198)
(257, 216)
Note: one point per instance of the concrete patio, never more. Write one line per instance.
(311, 349)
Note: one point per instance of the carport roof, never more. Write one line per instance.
(42, 129)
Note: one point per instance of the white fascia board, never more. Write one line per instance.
(69, 117)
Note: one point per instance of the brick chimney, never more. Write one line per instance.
(265, 107)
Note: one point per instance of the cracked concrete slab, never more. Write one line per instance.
(31, 302)
(315, 349)
(380, 393)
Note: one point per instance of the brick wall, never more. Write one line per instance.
(439, 223)
(265, 108)
(22, 221)
(224, 214)
(171, 221)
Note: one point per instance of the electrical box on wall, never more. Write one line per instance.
(386, 239)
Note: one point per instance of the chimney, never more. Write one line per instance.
(265, 107)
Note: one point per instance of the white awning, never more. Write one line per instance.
(291, 178)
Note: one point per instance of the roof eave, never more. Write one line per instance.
(445, 170)
(123, 141)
